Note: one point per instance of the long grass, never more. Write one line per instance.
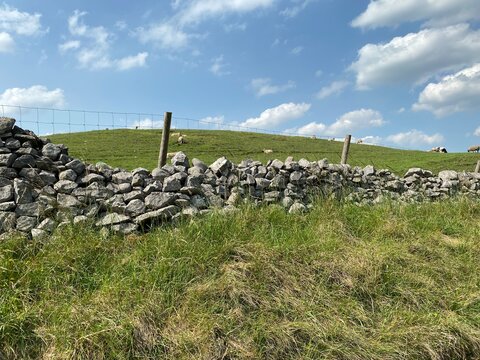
(391, 281)
(134, 148)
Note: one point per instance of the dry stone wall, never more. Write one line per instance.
(42, 187)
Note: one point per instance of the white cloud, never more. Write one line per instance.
(22, 23)
(318, 73)
(147, 123)
(200, 10)
(335, 88)
(296, 50)
(34, 96)
(173, 33)
(371, 140)
(436, 12)
(454, 93)
(346, 124)
(415, 137)
(165, 35)
(278, 115)
(298, 6)
(130, 62)
(69, 45)
(94, 52)
(218, 67)
(121, 25)
(355, 120)
(477, 132)
(417, 56)
(6, 43)
(263, 86)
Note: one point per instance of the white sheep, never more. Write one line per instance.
(171, 155)
(181, 140)
(175, 134)
(474, 148)
(267, 151)
(359, 141)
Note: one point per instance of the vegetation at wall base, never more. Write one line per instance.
(390, 281)
(139, 148)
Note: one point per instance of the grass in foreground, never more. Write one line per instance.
(135, 148)
(341, 282)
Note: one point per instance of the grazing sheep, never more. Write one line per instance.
(171, 155)
(475, 148)
(359, 141)
(313, 137)
(332, 139)
(175, 134)
(267, 151)
(435, 149)
(181, 140)
(443, 150)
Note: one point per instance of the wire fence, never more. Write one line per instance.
(49, 121)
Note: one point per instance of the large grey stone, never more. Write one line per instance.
(135, 207)
(68, 174)
(34, 209)
(157, 216)
(122, 177)
(65, 186)
(6, 193)
(6, 125)
(221, 166)
(51, 151)
(76, 165)
(7, 159)
(112, 219)
(23, 162)
(180, 159)
(22, 191)
(174, 182)
(159, 200)
(26, 223)
(67, 201)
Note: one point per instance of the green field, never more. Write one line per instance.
(341, 282)
(139, 148)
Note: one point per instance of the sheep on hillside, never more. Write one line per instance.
(267, 151)
(181, 140)
(359, 141)
(474, 148)
(439, 149)
(175, 134)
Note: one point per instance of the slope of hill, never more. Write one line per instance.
(139, 148)
(340, 282)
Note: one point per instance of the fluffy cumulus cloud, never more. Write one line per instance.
(416, 57)
(6, 43)
(92, 47)
(335, 88)
(454, 93)
(147, 123)
(279, 115)
(348, 123)
(264, 86)
(14, 22)
(34, 96)
(434, 12)
(176, 32)
(477, 132)
(413, 138)
(21, 23)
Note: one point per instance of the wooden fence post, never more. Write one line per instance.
(346, 148)
(162, 157)
(477, 169)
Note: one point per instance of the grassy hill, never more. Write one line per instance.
(341, 282)
(139, 148)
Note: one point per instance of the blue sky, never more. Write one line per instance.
(404, 73)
